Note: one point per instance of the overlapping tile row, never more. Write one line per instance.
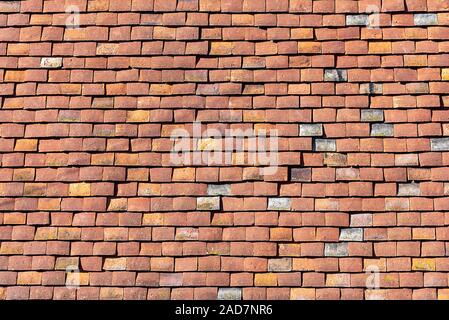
(92, 205)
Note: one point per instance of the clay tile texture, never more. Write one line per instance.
(224, 149)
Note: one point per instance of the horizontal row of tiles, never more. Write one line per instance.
(291, 279)
(259, 189)
(294, 6)
(214, 293)
(214, 263)
(189, 222)
(434, 251)
(171, 32)
(433, 236)
(272, 60)
(158, 204)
